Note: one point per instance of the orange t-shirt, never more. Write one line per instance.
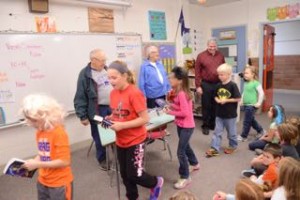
(271, 174)
(53, 145)
(125, 105)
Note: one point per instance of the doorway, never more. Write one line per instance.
(286, 73)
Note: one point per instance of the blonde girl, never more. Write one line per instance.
(289, 180)
(252, 99)
(245, 189)
(53, 160)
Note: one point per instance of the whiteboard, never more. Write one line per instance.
(50, 64)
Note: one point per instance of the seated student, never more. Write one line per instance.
(271, 156)
(295, 120)
(183, 195)
(276, 113)
(289, 137)
(244, 190)
(289, 180)
(55, 180)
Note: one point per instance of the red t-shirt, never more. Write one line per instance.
(125, 105)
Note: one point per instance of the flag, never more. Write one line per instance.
(181, 21)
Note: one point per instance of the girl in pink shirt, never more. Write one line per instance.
(182, 108)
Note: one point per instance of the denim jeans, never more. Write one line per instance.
(230, 126)
(185, 153)
(249, 121)
(103, 111)
(257, 144)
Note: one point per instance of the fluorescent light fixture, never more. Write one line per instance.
(109, 2)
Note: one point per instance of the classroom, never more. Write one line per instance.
(184, 82)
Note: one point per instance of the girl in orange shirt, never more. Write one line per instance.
(55, 180)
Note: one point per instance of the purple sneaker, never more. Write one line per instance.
(155, 192)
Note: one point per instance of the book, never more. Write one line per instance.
(104, 122)
(161, 103)
(14, 168)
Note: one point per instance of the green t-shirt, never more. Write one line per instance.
(250, 95)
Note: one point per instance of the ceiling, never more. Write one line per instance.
(210, 3)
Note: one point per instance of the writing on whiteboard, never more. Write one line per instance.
(33, 50)
(6, 96)
(36, 74)
(18, 64)
(20, 84)
(3, 77)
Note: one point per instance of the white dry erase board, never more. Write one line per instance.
(50, 64)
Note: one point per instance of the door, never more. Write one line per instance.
(268, 63)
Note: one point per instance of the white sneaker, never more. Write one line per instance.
(241, 139)
(182, 183)
(193, 168)
(260, 134)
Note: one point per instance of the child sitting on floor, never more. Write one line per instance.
(244, 190)
(288, 134)
(295, 120)
(271, 156)
(183, 195)
(276, 113)
(289, 180)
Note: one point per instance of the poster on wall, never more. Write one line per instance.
(157, 25)
(289, 11)
(101, 20)
(45, 24)
(230, 54)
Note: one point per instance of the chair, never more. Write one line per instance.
(90, 148)
(158, 134)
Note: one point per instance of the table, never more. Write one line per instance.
(108, 138)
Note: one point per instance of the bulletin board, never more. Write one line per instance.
(167, 54)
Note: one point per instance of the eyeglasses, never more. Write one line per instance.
(100, 60)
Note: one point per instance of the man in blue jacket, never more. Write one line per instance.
(153, 78)
(92, 98)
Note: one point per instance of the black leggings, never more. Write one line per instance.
(131, 162)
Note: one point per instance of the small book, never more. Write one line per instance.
(14, 168)
(161, 103)
(105, 123)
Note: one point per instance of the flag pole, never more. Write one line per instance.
(178, 24)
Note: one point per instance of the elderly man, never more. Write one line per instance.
(206, 78)
(153, 78)
(92, 98)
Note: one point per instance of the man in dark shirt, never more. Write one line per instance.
(206, 78)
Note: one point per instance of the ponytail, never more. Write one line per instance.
(123, 69)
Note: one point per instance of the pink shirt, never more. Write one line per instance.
(182, 109)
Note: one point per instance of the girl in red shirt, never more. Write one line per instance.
(129, 116)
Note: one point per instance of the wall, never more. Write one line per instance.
(71, 16)
(287, 39)
(287, 72)
(245, 12)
